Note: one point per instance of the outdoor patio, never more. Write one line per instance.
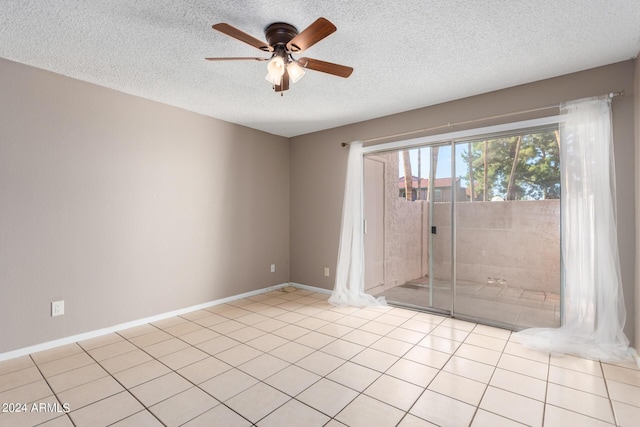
(522, 308)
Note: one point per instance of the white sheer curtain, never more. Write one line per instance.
(349, 286)
(594, 313)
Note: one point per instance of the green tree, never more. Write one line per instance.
(531, 162)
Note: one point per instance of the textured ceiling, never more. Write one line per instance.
(406, 54)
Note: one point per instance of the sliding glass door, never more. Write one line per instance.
(507, 231)
(415, 217)
(469, 228)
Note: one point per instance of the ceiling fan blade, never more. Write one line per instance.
(325, 67)
(238, 58)
(311, 35)
(284, 84)
(242, 36)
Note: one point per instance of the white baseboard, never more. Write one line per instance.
(310, 288)
(99, 332)
(93, 334)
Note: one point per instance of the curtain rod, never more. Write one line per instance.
(466, 122)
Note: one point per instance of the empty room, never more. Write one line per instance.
(424, 215)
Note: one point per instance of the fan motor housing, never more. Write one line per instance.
(280, 33)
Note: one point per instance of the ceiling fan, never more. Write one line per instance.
(283, 40)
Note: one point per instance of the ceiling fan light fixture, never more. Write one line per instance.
(282, 40)
(275, 70)
(295, 71)
(272, 81)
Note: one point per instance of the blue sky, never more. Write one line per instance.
(444, 162)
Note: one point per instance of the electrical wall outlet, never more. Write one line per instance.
(273, 268)
(57, 308)
(326, 272)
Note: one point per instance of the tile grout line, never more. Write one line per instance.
(310, 385)
(320, 349)
(357, 316)
(118, 381)
(477, 409)
(176, 371)
(55, 395)
(325, 377)
(172, 370)
(236, 367)
(606, 386)
(123, 386)
(546, 389)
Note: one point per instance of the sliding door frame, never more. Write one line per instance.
(453, 138)
(482, 132)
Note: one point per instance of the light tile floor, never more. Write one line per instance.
(288, 358)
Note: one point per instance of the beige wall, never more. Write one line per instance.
(318, 164)
(126, 208)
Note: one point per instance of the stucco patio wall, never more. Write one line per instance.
(513, 242)
(516, 243)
